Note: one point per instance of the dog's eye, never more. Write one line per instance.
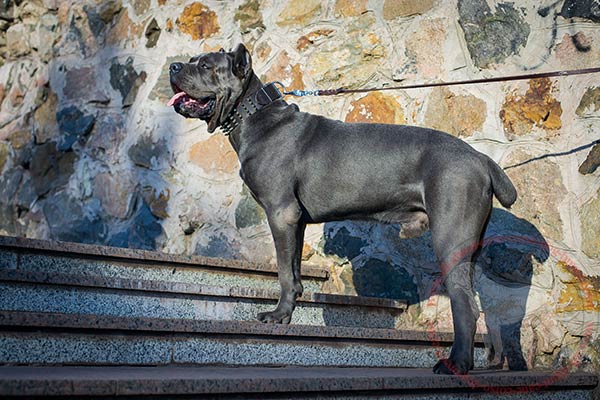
(204, 66)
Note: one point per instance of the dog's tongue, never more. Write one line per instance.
(176, 97)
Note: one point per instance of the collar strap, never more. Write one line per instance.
(251, 105)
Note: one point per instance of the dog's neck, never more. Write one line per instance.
(254, 98)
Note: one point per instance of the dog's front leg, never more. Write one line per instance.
(288, 234)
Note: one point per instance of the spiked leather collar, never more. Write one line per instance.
(264, 96)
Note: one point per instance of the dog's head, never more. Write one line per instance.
(209, 85)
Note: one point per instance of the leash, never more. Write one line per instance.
(341, 90)
(269, 93)
(552, 74)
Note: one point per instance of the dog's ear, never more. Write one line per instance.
(242, 63)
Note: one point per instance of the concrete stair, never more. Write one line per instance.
(286, 383)
(90, 321)
(73, 278)
(72, 339)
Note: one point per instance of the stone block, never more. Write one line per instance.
(303, 43)
(105, 142)
(142, 232)
(73, 125)
(69, 220)
(7, 10)
(26, 195)
(284, 71)
(592, 161)
(115, 194)
(214, 155)
(152, 33)
(590, 227)
(299, 12)
(358, 57)
(30, 12)
(198, 21)
(81, 84)
(147, 154)
(9, 184)
(588, 9)
(458, 115)
(125, 79)
(540, 191)
(405, 8)
(95, 22)
(107, 10)
(18, 41)
(349, 8)
(123, 30)
(218, 245)
(50, 168)
(590, 102)
(376, 108)
(157, 200)
(578, 298)
(248, 16)
(248, 213)
(45, 37)
(492, 36)
(45, 123)
(537, 107)
(425, 49)
(4, 154)
(141, 7)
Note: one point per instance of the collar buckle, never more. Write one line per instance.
(266, 95)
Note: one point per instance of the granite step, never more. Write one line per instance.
(28, 338)
(48, 276)
(101, 295)
(32, 255)
(289, 383)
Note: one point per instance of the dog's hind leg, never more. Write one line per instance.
(288, 235)
(456, 230)
(459, 286)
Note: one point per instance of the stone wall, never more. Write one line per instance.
(89, 151)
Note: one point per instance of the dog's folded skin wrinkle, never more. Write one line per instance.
(303, 168)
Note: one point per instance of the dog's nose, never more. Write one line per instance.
(176, 67)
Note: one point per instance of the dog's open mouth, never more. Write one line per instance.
(193, 107)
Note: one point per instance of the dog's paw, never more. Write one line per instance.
(274, 317)
(448, 367)
(517, 365)
(495, 365)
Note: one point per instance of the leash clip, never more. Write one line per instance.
(296, 92)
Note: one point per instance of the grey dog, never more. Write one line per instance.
(303, 168)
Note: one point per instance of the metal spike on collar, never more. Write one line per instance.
(228, 127)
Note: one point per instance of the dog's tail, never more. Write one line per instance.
(501, 185)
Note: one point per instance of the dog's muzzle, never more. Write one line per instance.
(186, 105)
